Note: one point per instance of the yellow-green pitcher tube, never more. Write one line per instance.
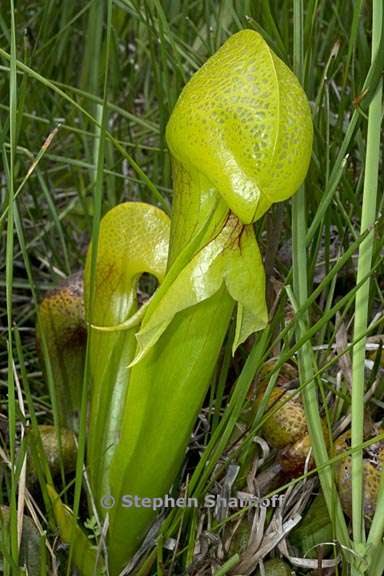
(166, 391)
(240, 137)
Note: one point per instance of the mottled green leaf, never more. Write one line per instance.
(313, 530)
